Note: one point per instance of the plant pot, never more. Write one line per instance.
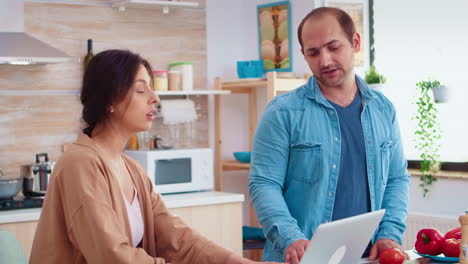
(377, 86)
(440, 94)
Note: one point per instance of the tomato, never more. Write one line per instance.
(391, 256)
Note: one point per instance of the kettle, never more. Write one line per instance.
(36, 175)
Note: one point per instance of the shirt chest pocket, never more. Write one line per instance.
(386, 150)
(305, 162)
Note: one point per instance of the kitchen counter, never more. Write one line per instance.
(171, 200)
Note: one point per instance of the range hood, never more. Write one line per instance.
(17, 47)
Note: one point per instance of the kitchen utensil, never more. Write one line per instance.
(36, 176)
(9, 187)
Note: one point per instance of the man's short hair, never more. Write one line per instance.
(345, 21)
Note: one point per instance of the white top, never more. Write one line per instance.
(135, 219)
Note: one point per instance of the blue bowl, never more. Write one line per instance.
(242, 156)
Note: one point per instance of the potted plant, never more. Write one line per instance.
(375, 80)
(428, 134)
(440, 92)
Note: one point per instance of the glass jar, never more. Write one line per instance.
(186, 72)
(160, 80)
(174, 80)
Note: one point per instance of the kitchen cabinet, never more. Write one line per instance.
(24, 233)
(215, 215)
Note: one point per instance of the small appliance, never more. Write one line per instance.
(177, 170)
(12, 198)
(27, 202)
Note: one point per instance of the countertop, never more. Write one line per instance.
(171, 200)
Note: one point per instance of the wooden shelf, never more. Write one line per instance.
(443, 174)
(244, 85)
(193, 92)
(231, 165)
(66, 92)
(39, 92)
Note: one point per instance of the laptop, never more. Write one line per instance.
(342, 241)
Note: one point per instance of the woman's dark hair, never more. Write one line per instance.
(107, 80)
(345, 21)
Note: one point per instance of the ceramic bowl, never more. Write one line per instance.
(242, 156)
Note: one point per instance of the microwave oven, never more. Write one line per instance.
(178, 170)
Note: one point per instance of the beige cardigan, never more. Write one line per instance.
(84, 219)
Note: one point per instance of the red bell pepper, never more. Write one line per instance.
(429, 241)
(454, 233)
(451, 247)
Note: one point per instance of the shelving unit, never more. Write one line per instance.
(65, 92)
(274, 85)
(120, 3)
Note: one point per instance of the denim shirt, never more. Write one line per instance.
(295, 165)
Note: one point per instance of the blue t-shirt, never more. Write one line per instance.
(352, 191)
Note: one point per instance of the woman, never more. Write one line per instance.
(100, 205)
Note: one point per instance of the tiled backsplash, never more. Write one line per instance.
(31, 124)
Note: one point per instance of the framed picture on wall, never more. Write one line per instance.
(358, 10)
(274, 34)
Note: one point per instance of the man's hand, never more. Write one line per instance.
(233, 258)
(296, 250)
(382, 244)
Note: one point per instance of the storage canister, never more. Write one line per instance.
(174, 80)
(186, 70)
(160, 80)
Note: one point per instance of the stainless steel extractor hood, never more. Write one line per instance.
(17, 47)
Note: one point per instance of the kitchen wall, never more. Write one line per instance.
(428, 40)
(403, 55)
(233, 40)
(31, 124)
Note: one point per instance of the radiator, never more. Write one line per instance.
(416, 222)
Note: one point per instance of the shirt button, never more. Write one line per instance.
(336, 139)
(330, 112)
(369, 141)
(371, 167)
(329, 194)
(334, 166)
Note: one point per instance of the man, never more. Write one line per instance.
(328, 150)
